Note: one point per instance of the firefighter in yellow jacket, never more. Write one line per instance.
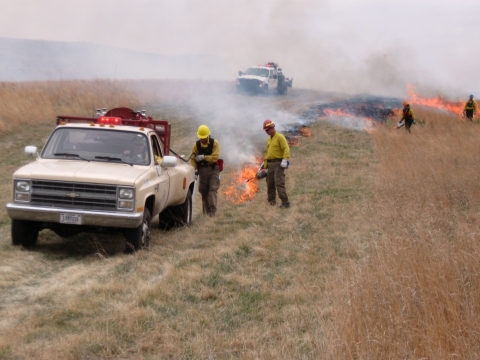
(408, 117)
(276, 161)
(205, 154)
(470, 108)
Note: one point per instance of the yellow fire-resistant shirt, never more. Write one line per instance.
(277, 147)
(210, 159)
(470, 106)
(408, 113)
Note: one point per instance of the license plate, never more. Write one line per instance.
(75, 219)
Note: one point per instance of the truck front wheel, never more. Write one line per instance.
(139, 238)
(24, 233)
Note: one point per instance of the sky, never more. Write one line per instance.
(352, 46)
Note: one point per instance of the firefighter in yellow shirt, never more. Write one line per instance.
(276, 161)
(408, 117)
(470, 108)
(205, 155)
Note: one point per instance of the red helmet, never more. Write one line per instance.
(405, 104)
(267, 124)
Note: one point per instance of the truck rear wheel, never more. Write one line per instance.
(24, 233)
(139, 238)
(177, 216)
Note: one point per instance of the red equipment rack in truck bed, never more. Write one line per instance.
(127, 117)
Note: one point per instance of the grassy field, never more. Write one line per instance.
(378, 257)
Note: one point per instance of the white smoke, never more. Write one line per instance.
(369, 46)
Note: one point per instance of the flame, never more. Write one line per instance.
(337, 112)
(244, 186)
(293, 140)
(305, 132)
(438, 102)
(368, 122)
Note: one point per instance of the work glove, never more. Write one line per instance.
(199, 158)
(284, 163)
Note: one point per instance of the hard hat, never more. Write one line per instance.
(267, 124)
(471, 96)
(203, 132)
(405, 103)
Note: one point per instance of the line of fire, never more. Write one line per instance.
(368, 112)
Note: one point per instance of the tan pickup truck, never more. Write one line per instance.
(109, 173)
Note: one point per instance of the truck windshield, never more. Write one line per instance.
(257, 72)
(97, 145)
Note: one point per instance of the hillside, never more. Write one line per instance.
(377, 258)
(39, 60)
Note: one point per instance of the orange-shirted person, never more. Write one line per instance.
(206, 153)
(470, 108)
(276, 161)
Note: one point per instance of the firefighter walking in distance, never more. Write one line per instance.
(408, 118)
(205, 154)
(470, 108)
(276, 161)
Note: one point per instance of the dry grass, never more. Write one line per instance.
(33, 103)
(377, 258)
(417, 294)
(248, 284)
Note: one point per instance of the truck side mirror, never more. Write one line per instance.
(240, 73)
(169, 161)
(31, 151)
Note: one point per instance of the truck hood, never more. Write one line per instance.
(81, 171)
(253, 77)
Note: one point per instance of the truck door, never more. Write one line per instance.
(272, 79)
(162, 181)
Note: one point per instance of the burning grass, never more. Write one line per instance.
(243, 184)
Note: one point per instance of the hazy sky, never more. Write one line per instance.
(369, 46)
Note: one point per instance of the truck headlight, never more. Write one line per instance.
(125, 198)
(125, 194)
(260, 85)
(23, 186)
(22, 190)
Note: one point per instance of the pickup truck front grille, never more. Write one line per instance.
(249, 84)
(74, 195)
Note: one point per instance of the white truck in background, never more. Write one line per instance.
(263, 79)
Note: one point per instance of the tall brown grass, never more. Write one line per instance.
(417, 293)
(28, 103)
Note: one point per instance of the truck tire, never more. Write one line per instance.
(177, 216)
(139, 238)
(24, 233)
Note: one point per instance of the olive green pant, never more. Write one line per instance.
(209, 182)
(276, 182)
